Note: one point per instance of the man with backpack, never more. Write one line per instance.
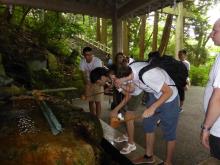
(163, 106)
(177, 70)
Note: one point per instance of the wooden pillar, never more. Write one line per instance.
(117, 45)
(142, 36)
(179, 29)
(98, 34)
(104, 32)
(155, 31)
(125, 38)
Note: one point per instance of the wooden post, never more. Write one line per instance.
(179, 29)
(98, 35)
(142, 37)
(104, 32)
(116, 35)
(125, 38)
(155, 31)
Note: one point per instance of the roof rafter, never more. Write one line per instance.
(71, 6)
(132, 6)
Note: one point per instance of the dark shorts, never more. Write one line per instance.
(134, 102)
(168, 114)
(181, 92)
(214, 143)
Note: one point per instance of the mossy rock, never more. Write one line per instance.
(40, 146)
(52, 62)
(11, 91)
(46, 149)
(83, 123)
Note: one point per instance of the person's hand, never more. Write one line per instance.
(149, 112)
(117, 83)
(114, 113)
(204, 137)
(186, 87)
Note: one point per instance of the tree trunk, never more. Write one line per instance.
(166, 34)
(98, 35)
(142, 37)
(155, 31)
(104, 32)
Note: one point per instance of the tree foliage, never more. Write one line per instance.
(196, 45)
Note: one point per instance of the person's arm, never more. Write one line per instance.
(126, 98)
(212, 114)
(166, 93)
(120, 81)
(128, 88)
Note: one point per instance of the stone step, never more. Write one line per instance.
(113, 148)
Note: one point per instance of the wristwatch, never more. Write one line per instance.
(204, 128)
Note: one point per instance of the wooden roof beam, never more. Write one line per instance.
(69, 6)
(132, 6)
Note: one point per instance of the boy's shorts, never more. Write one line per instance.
(134, 102)
(168, 114)
(92, 91)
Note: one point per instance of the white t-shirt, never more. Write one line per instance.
(153, 80)
(187, 64)
(214, 82)
(88, 67)
(136, 91)
(130, 60)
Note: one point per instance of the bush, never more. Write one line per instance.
(199, 75)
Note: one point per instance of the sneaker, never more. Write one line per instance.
(120, 139)
(158, 123)
(120, 116)
(181, 110)
(128, 149)
(144, 159)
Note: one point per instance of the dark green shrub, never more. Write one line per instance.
(199, 75)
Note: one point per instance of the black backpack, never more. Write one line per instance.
(175, 69)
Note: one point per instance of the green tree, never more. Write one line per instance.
(196, 46)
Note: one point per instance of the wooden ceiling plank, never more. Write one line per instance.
(132, 6)
(68, 6)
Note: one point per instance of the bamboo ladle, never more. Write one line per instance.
(115, 122)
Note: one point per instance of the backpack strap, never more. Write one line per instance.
(145, 69)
